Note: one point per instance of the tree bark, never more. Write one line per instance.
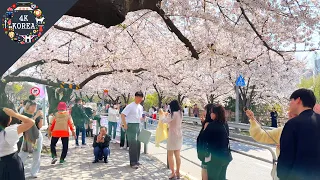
(54, 98)
(126, 98)
(180, 99)
(4, 100)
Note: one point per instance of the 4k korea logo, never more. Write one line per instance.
(23, 22)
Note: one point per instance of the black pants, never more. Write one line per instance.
(11, 167)
(89, 131)
(133, 132)
(123, 138)
(217, 171)
(65, 142)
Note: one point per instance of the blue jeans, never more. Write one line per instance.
(112, 125)
(101, 153)
(83, 134)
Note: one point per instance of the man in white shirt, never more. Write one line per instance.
(186, 111)
(131, 117)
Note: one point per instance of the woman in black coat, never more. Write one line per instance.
(216, 136)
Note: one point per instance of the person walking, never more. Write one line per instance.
(186, 111)
(196, 111)
(300, 146)
(80, 118)
(123, 134)
(113, 122)
(216, 135)
(101, 145)
(201, 143)
(132, 114)
(274, 116)
(175, 139)
(32, 139)
(11, 165)
(59, 129)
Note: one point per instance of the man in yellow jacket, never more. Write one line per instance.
(259, 135)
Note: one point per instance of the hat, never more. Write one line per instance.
(62, 106)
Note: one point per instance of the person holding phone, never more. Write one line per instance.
(11, 165)
(32, 139)
(101, 145)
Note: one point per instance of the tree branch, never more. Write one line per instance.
(74, 30)
(25, 67)
(10, 78)
(178, 33)
(256, 31)
(83, 83)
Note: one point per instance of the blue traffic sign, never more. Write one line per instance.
(240, 81)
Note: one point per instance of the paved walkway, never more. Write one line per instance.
(79, 165)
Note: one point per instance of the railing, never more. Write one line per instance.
(231, 124)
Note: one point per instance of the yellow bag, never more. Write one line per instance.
(161, 133)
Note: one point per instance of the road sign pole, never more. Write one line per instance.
(237, 108)
(44, 106)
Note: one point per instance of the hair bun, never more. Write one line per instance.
(32, 97)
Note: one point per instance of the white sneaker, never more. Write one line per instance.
(34, 176)
(128, 148)
(121, 147)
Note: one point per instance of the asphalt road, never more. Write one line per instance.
(241, 168)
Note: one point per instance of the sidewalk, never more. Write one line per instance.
(79, 165)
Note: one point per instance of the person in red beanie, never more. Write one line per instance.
(59, 128)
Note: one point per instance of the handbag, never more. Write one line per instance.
(144, 136)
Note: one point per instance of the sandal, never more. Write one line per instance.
(178, 175)
(173, 176)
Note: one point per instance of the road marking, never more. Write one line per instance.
(269, 167)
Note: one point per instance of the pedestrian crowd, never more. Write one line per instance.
(298, 145)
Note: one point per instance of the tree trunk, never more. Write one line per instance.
(4, 100)
(54, 98)
(180, 99)
(210, 98)
(160, 99)
(126, 98)
(109, 12)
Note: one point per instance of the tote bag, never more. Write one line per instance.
(144, 136)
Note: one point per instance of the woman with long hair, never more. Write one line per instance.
(32, 139)
(205, 117)
(174, 142)
(11, 166)
(216, 135)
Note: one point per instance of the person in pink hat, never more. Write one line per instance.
(59, 128)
